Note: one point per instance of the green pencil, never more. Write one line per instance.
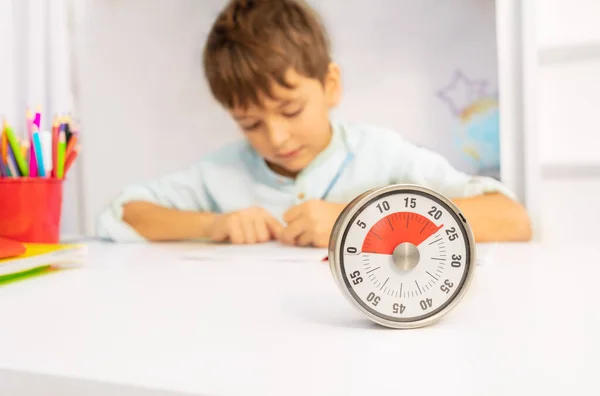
(16, 149)
(60, 155)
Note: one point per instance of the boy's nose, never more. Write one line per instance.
(278, 135)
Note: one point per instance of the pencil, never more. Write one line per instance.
(12, 165)
(60, 156)
(46, 143)
(4, 146)
(3, 154)
(33, 171)
(71, 158)
(39, 155)
(68, 128)
(25, 148)
(38, 116)
(72, 142)
(347, 160)
(55, 130)
(16, 150)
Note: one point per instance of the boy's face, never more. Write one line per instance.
(290, 131)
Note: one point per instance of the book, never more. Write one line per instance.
(38, 255)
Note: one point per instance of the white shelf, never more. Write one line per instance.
(569, 53)
(570, 171)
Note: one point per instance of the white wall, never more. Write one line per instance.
(7, 67)
(147, 110)
(143, 98)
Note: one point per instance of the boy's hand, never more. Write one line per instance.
(248, 226)
(310, 223)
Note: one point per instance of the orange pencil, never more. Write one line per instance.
(71, 145)
(4, 146)
(71, 158)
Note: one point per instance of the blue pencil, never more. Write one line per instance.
(38, 153)
(349, 158)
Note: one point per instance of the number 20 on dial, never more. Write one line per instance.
(403, 255)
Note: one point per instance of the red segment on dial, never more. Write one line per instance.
(398, 228)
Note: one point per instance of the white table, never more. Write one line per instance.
(139, 321)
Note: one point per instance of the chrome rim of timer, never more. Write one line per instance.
(342, 224)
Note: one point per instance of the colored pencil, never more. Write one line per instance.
(46, 142)
(39, 154)
(12, 164)
(60, 156)
(16, 150)
(33, 167)
(68, 128)
(71, 158)
(38, 117)
(63, 127)
(25, 149)
(55, 130)
(71, 144)
(4, 146)
(7, 171)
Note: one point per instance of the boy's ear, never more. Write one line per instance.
(333, 85)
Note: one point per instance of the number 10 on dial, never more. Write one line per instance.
(403, 255)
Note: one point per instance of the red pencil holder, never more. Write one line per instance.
(30, 209)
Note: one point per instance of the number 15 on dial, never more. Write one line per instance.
(403, 255)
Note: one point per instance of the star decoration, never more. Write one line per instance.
(462, 92)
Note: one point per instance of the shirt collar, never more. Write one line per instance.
(334, 149)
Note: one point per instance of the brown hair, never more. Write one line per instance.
(253, 43)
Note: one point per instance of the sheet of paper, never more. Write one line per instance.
(270, 251)
(274, 251)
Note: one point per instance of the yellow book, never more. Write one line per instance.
(39, 255)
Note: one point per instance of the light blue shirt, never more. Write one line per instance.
(358, 158)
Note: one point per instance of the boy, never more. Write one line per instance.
(268, 63)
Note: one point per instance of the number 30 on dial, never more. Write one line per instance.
(403, 255)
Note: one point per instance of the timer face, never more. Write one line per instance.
(403, 255)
